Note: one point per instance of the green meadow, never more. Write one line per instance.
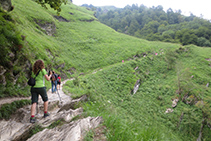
(111, 63)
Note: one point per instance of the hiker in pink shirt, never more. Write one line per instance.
(59, 82)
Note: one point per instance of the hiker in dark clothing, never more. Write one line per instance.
(54, 82)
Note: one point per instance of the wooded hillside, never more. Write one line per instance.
(155, 24)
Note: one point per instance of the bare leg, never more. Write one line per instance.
(46, 106)
(33, 108)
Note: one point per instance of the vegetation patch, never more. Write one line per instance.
(57, 123)
(8, 109)
(163, 77)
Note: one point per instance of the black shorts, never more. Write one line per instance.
(59, 83)
(35, 94)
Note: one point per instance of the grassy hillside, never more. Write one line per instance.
(76, 42)
(142, 116)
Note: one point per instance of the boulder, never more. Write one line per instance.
(169, 110)
(174, 102)
(6, 5)
(74, 131)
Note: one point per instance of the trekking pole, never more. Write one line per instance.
(37, 107)
(59, 95)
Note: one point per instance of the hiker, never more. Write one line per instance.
(39, 89)
(59, 81)
(54, 82)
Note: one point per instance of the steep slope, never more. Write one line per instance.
(152, 113)
(106, 66)
(73, 42)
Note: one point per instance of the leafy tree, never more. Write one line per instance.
(188, 38)
(170, 33)
(149, 28)
(171, 16)
(203, 32)
(133, 27)
(170, 26)
(155, 37)
(203, 42)
(55, 4)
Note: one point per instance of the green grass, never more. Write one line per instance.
(142, 116)
(7, 110)
(57, 123)
(77, 43)
(88, 46)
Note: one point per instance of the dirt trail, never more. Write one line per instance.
(12, 99)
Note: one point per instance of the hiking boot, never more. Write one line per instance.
(33, 120)
(46, 114)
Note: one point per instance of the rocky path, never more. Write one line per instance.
(19, 128)
(12, 99)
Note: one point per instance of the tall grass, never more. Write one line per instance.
(141, 116)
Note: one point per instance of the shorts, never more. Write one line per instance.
(59, 83)
(35, 94)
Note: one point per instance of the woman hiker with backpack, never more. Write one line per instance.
(39, 88)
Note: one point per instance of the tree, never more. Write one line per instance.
(150, 28)
(55, 4)
(170, 33)
(154, 37)
(188, 38)
(133, 27)
(203, 42)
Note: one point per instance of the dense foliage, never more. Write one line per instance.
(155, 24)
(55, 4)
(12, 55)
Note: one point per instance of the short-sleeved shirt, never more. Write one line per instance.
(40, 80)
(59, 79)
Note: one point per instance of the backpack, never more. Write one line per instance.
(31, 81)
(58, 80)
(56, 76)
(53, 78)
